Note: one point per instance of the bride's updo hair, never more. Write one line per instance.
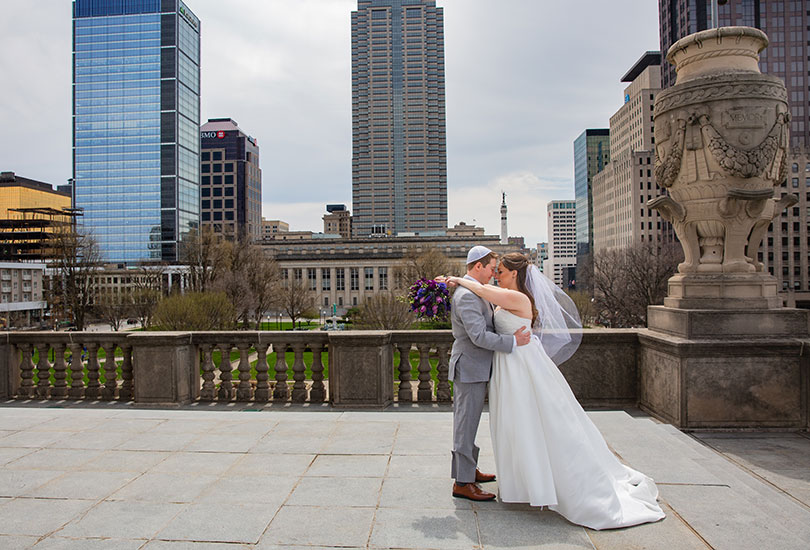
(515, 261)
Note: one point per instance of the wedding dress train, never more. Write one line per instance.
(547, 450)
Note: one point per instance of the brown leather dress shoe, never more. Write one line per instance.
(481, 477)
(471, 491)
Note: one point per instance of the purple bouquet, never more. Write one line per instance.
(430, 300)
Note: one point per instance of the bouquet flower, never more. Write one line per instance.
(430, 300)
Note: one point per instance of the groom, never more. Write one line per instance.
(470, 369)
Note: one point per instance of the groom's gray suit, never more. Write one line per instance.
(470, 369)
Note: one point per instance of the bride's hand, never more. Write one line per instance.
(446, 280)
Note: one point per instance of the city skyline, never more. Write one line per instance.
(515, 101)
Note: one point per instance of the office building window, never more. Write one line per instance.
(312, 277)
(355, 278)
(340, 279)
(326, 279)
(369, 276)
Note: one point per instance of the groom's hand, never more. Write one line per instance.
(522, 336)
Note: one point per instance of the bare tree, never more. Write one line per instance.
(426, 264)
(628, 280)
(146, 292)
(584, 303)
(202, 251)
(76, 261)
(264, 280)
(295, 298)
(385, 311)
(113, 309)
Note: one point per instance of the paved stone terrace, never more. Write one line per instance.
(220, 479)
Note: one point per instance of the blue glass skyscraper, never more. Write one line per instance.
(136, 115)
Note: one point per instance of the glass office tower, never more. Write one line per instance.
(399, 146)
(591, 154)
(136, 114)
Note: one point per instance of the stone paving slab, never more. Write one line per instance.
(216, 478)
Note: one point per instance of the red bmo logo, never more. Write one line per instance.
(220, 134)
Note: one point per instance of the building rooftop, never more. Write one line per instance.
(210, 477)
(10, 179)
(649, 58)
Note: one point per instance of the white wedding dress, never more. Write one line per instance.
(547, 450)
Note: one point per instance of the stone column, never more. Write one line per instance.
(360, 372)
(722, 352)
(165, 368)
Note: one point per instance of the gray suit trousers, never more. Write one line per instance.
(468, 403)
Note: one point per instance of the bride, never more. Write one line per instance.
(547, 450)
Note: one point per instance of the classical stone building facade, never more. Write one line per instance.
(344, 272)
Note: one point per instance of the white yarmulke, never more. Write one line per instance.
(476, 253)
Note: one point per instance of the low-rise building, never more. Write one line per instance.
(21, 293)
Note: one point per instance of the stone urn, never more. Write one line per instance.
(721, 138)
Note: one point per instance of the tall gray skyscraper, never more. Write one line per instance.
(399, 146)
(136, 120)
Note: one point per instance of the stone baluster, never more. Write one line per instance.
(60, 387)
(26, 389)
(281, 392)
(262, 392)
(299, 392)
(244, 392)
(125, 392)
(93, 385)
(76, 372)
(208, 392)
(225, 368)
(443, 393)
(43, 371)
(405, 393)
(110, 372)
(424, 393)
(317, 394)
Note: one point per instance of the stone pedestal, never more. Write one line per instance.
(728, 291)
(730, 382)
(361, 372)
(721, 352)
(165, 368)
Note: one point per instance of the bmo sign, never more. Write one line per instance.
(218, 135)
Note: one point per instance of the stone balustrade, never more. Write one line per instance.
(343, 368)
(374, 369)
(37, 365)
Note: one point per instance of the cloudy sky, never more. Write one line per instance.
(523, 79)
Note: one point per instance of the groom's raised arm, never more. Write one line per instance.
(469, 311)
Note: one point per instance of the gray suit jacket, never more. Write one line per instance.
(475, 337)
